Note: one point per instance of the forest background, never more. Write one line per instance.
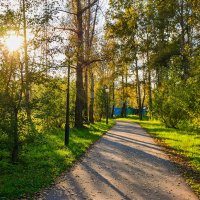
(99, 55)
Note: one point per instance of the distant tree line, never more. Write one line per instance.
(156, 43)
(147, 56)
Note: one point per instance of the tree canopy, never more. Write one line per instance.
(147, 55)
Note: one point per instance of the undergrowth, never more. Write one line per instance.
(44, 159)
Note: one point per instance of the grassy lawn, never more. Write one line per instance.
(183, 147)
(44, 159)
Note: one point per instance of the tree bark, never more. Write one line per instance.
(91, 110)
(79, 97)
(79, 69)
(15, 150)
(87, 57)
(27, 75)
(123, 97)
(185, 61)
(86, 96)
(149, 86)
(67, 124)
(138, 90)
(123, 113)
(113, 99)
(150, 93)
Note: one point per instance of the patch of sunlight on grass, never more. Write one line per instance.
(45, 158)
(183, 142)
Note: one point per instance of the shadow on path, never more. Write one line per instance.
(125, 164)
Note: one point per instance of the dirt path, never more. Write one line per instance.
(125, 164)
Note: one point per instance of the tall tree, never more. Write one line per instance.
(26, 62)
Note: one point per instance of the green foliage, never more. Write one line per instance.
(163, 35)
(193, 88)
(50, 103)
(163, 55)
(43, 159)
(100, 103)
(185, 143)
(169, 107)
(8, 21)
(177, 101)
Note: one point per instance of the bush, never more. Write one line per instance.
(170, 105)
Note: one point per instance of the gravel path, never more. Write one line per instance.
(125, 164)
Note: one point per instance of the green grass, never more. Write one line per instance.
(182, 145)
(44, 159)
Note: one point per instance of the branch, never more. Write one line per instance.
(67, 29)
(51, 66)
(89, 62)
(94, 23)
(67, 12)
(87, 7)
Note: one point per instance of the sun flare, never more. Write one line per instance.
(13, 42)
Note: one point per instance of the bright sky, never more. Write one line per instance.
(13, 42)
(102, 12)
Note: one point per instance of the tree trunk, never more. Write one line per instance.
(123, 113)
(86, 96)
(67, 124)
(27, 77)
(79, 97)
(15, 149)
(123, 98)
(150, 93)
(87, 57)
(126, 93)
(113, 98)
(79, 70)
(91, 111)
(138, 90)
(149, 81)
(185, 61)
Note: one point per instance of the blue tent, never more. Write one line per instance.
(129, 111)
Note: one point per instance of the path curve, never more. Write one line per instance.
(125, 164)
